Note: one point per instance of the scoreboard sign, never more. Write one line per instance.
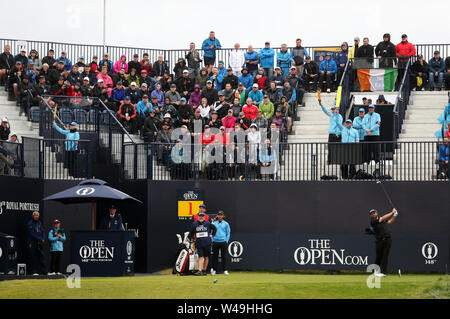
(189, 202)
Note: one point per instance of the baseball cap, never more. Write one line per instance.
(293, 68)
(356, 39)
(197, 111)
(220, 212)
(255, 85)
(404, 35)
(144, 84)
(5, 119)
(113, 206)
(186, 71)
(222, 128)
(201, 213)
(173, 86)
(127, 98)
(229, 69)
(167, 115)
(436, 52)
(143, 71)
(362, 110)
(209, 81)
(265, 95)
(56, 221)
(145, 96)
(183, 99)
(348, 121)
(74, 124)
(371, 106)
(333, 107)
(133, 83)
(86, 78)
(220, 94)
(214, 112)
(221, 62)
(241, 113)
(277, 67)
(373, 210)
(81, 57)
(154, 97)
(202, 205)
(206, 126)
(100, 80)
(31, 62)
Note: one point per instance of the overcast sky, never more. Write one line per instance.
(172, 24)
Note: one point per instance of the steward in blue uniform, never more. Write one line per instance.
(112, 221)
(35, 243)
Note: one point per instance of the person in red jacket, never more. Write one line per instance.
(207, 137)
(404, 50)
(127, 113)
(202, 208)
(228, 121)
(250, 110)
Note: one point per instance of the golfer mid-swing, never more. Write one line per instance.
(383, 238)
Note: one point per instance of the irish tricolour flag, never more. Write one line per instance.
(377, 79)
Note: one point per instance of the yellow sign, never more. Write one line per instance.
(188, 208)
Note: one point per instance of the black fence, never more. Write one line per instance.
(400, 161)
(46, 159)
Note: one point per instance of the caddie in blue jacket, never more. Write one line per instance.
(35, 242)
(203, 231)
(371, 125)
(220, 243)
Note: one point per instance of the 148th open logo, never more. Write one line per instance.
(85, 191)
(430, 252)
(235, 249)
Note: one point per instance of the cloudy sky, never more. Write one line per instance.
(172, 24)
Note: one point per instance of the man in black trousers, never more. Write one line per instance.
(383, 238)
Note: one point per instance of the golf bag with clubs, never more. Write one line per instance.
(187, 261)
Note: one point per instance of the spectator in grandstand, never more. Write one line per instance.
(65, 60)
(6, 63)
(74, 76)
(5, 129)
(328, 69)
(310, 75)
(133, 93)
(202, 78)
(260, 79)
(278, 120)
(163, 138)
(284, 59)
(222, 69)
(447, 131)
(216, 79)
(146, 64)
(278, 78)
(197, 123)
(151, 126)
(40, 89)
(288, 91)
(50, 59)
(341, 61)
(444, 151)
(236, 107)
(297, 84)
(385, 52)
(193, 61)
(143, 109)
(287, 112)
(169, 108)
(266, 56)
(159, 68)
(146, 79)
(266, 108)
(251, 61)
(437, 68)
(135, 64)
(24, 96)
(71, 146)
(349, 135)
(231, 79)
(87, 72)
(241, 93)
(127, 115)
(243, 121)
(121, 63)
(184, 84)
(250, 107)
(109, 64)
(298, 55)
(185, 112)
(158, 93)
(229, 121)
(446, 73)
(268, 158)
(32, 72)
(34, 56)
(260, 121)
(358, 122)
(371, 124)
(14, 79)
(209, 47)
(210, 93)
(221, 106)
(94, 64)
(381, 100)
(22, 58)
(179, 67)
(204, 109)
(196, 96)
(236, 60)
(272, 92)
(173, 95)
(404, 50)
(419, 74)
(133, 76)
(107, 81)
(228, 92)
(365, 51)
(334, 127)
(255, 95)
(246, 79)
(166, 82)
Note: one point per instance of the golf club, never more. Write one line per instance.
(386, 193)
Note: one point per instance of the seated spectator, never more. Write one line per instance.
(34, 57)
(143, 109)
(310, 75)
(158, 93)
(107, 81)
(210, 93)
(260, 121)
(50, 59)
(231, 79)
(144, 91)
(255, 95)
(222, 69)
(66, 61)
(173, 95)
(105, 61)
(85, 88)
(24, 96)
(121, 76)
(447, 73)
(250, 109)
(22, 58)
(327, 70)
(278, 120)
(381, 100)
(146, 65)
(74, 76)
(5, 129)
(228, 93)
(179, 68)
(121, 63)
(341, 60)
(202, 78)
(6, 63)
(437, 68)
(185, 112)
(15, 75)
(246, 79)
(229, 121)
(206, 137)
(444, 150)
(221, 106)
(133, 77)
(159, 68)
(32, 73)
(216, 79)
(215, 122)
(196, 96)
(197, 120)
(236, 108)
(296, 83)
(272, 92)
(266, 108)
(133, 93)
(168, 108)
(146, 79)
(91, 76)
(94, 64)
(287, 112)
(204, 108)
(278, 78)
(241, 93)
(288, 92)
(151, 126)
(168, 120)
(243, 121)
(127, 114)
(260, 79)
(185, 84)
(40, 89)
(419, 74)
(100, 91)
(135, 64)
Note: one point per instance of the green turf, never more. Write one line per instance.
(253, 285)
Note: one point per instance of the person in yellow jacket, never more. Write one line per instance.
(353, 49)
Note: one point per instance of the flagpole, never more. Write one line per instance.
(104, 27)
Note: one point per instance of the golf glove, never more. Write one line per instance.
(395, 214)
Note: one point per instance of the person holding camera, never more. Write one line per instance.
(35, 244)
(57, 237)
(220, 243)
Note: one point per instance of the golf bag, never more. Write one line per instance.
(186, 261)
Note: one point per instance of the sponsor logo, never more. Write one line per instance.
(320, 252)
(96, 251)
(6, 206)
(85, 191)
(181, 260)
(135, 230)
(235, 249)
(430, 252)
(129, 248)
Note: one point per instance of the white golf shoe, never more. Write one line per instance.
(213, 272)
(226, 273)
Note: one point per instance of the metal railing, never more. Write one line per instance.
(398, 161)
(170, 56)
(402, 101)
(46, 159)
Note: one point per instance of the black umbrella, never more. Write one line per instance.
(90, 191)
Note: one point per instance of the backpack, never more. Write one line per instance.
(361, 174)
